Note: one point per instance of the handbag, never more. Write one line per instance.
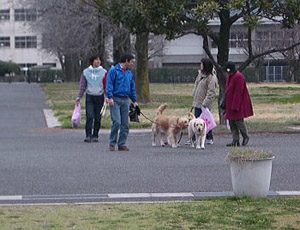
(207, 116)
(76, 116)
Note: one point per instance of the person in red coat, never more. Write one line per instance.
(238, 104)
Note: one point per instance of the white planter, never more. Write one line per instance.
(251, 178)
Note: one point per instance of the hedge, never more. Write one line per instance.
(173, 75)
(44, 76)
(9, 67)
(163, 75)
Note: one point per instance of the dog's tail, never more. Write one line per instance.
(161, 109)
(191, 116)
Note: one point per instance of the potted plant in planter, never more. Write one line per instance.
(250, 171)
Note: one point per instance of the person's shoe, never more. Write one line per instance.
(88, 139)
(95, 139)
(233, 144)
(123, 148)
(210, 141)
(111, 148)
(245, 141)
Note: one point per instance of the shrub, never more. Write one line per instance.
(9, 67)
(44, 76)
(173, 75)
(240, 155)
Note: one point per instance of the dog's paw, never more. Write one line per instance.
(153, 144)
(198, 147)
(202, 147)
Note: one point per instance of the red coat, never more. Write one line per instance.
(238, 102)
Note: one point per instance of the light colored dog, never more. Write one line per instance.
(197, 126)
(168, 125)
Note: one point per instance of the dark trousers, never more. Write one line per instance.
(209, 135)
(236, 127)
(93, 105)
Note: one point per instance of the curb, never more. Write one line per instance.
(123, 197)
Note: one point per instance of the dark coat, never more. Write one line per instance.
(238, 102)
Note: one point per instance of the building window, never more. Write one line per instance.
(26, 42)
(49, 64)
(4, 42)
(238, 40)
(28, 65)
(274, 73)
(25, 14)
(4, 15)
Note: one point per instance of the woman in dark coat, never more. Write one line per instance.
(238, 104)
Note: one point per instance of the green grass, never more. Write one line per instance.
(275, 105)
(211, 214)
(280, 88)
(289, 99)
(241, 155)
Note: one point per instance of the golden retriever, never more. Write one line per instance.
(197, 127)
(170, 125)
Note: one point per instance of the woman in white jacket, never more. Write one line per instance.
(205, 90)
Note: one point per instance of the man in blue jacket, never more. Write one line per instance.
(120, 87)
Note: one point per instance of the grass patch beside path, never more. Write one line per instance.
(276, 105)
(217, 213)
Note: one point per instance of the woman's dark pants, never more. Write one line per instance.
(93, 105)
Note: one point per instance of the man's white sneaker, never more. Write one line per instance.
(210, 141)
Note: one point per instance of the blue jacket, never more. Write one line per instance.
(120, 85)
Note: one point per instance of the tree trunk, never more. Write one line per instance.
(223, 55)
(101, 45)
(72, 70)
(121, 45)
(141, 78)
(68, 68)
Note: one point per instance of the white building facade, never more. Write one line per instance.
(19, 43)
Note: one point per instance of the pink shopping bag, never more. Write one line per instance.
(207, 116)
(76, 117)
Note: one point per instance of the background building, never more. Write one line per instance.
(19, 42)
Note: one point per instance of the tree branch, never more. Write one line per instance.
(252, 58)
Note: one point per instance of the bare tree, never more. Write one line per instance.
(72, 31)
(265, 38)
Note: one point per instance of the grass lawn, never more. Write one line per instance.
(221, 213)
(276, 105)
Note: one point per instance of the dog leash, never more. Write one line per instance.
(103, 109)
(166, 126)
(181, 133)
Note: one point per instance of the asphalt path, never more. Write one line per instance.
(38, 161)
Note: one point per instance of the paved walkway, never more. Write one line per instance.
(42, 165)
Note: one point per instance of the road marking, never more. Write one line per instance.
(288, 193)
(149, 195)
(65, 197)
(10, 197)
(116, 196)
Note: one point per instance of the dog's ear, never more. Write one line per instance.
(191, 116)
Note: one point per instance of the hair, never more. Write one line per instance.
(92, 58)
(126, 57)
(207, 66)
